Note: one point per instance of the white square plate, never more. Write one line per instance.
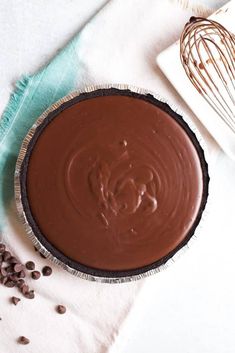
(170, 64)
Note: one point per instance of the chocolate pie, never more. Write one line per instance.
(113, 183)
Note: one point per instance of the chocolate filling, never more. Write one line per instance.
(114, 183)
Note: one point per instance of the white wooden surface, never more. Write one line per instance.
(186, 315)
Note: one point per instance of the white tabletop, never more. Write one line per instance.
(178, 310)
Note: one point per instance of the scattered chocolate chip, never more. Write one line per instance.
(13, 278)
(15, 300)
(13, 260)
(24, 289)
(61, 309)
(20, 283)
(13, 272)
(21, 274)
(4, 280)
(35, 248)
(36, 275)
(2, 248)
(30, 294)
(30, 265)
(10, 284)
(23, 340)
(6, 256)
(9, 269)
(18, 268)
(47, 271)
(3, 272)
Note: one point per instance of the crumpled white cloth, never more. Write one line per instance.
(119, 45)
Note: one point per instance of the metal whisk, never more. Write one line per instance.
(207, 52)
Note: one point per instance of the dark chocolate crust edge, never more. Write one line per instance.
(42, 238)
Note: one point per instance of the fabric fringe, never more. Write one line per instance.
(13, 105)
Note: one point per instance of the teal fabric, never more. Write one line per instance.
(33, 95)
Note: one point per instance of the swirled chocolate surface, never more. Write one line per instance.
(114, 182)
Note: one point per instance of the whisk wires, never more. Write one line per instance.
(207, 52)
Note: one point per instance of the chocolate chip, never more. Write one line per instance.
(24, 289)
(15, 300)
(9, 269)
(35, 248)
(30, 265)
(2, 248)
(18, 268)
(10, 284)
(3, 272)
(21, 274)
(13, 260)
(12, 273)
(4, 280)
(46, 271)
(6, 256)
(20, 283)
(30, 294)
(23, 340)
(13, 278)
(61, 309)
(36, 275)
